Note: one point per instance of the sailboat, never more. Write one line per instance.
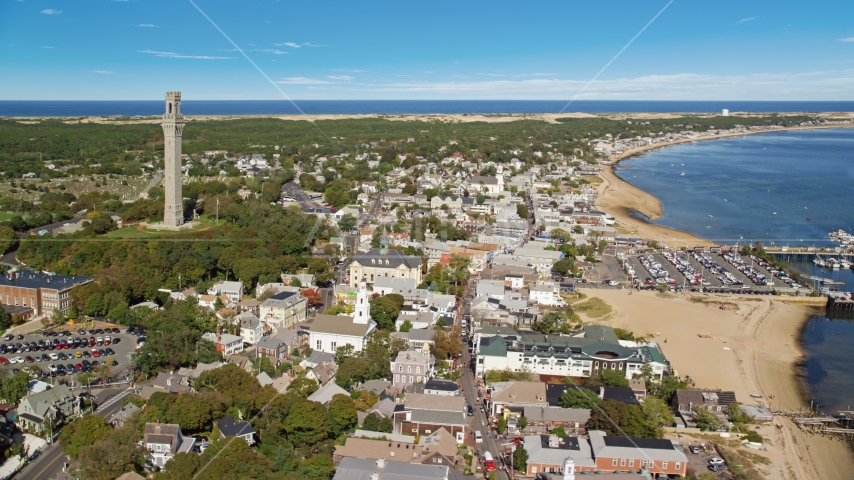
(683, 174)
(775, 214)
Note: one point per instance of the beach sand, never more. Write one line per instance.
(752, 350)
(619, 198)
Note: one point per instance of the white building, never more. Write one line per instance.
(326, 333)
(226, 343)
(251, 328)
(233, 290)
(545, 295)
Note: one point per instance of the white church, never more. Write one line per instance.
(327, 333)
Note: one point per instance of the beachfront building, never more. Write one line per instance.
(586, 354)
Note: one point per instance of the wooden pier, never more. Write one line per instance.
(817, 422)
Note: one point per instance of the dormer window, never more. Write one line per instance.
(374, 260)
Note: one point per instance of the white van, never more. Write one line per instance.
(478, 438)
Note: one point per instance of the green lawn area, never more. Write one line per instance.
(8, 215)
(204, 222)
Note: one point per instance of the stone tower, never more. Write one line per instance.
(173, 128)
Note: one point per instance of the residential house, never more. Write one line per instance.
(118, 420)
(251, 328)
(233, 290)
(417, 338)
(55, 404)
(226, 343)
(228, 427)
(324, 394)
(412, 366)
(424, 414)
(542, 420)
(165, 440)
(517, 395)
(283, 310)
(441, 387)
(323, 373)
(274, 349)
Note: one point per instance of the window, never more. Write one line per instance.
(632, 462)
(643, 464)
(157, 447)
(664, 465)
(409, 368)
(614, 463)
(418, 369)
(396, 378)
(320, 345)
(622, 462)
(334, 346)
(400, 368)
(410, 379)
(428, 431)
(678, 466)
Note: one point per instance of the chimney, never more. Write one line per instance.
(381, 464)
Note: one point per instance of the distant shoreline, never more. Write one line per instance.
(619, 198)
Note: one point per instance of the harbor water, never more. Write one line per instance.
(729, 193)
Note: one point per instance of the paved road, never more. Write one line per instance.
(51, 461)
(480, 422)
(154, 181)
(292, 189)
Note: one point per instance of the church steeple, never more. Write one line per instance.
(361, 314)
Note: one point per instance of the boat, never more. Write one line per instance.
(711, 216)
(809, 219)
(775, 214)
(818, 261)
(682, 175)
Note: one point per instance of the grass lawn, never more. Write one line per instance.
(204, 222)
(8, 215)
(594, 308)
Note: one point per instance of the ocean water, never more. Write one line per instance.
(266, 107)
(732, 187)
(729, 192)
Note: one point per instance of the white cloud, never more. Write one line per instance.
(685, 86)
(745, 20)
(492, 74)
(45, 46)
(50, 11)
(288, 44)
(340, 77)
(849, 39)
(176, 55)
(103, 72)
(351, 70)
(147, 25)
(271, 50)
(309, 44)
(302, 81)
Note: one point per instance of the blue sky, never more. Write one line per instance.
(712, 50)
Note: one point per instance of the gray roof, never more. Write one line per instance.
(539, 451)
(394, 257)
(477, 179)
(340, 324)
(169, 433)
(418, 335)
(437, 417)
(375, 386)
(30, 279)
(317, 357)
(228, 427)
(283, 300)
(40, 402)
(325, 393)
(441, 385)
(362, 469)
(557, 414)
(270, 343)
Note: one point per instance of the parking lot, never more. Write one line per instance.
(66, 352)
(699, 462)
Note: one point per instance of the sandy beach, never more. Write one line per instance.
(753, 349)
(619, 198)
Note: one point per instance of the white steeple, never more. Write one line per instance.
(361, 314)
(568, 469)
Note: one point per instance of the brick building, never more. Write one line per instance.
(42, 292)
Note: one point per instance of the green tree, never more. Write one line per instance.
(347, 222)
(337, 193)
(523, 422)
(379, 349)
(307, 423)
(15, 388)
(371, 422)
(82, 433)
(520, 459)
(112, 455)
(353, 370)
(577, 397)
(406, 326)
(614, 378)
(318, 467)
(657, 412)
(551, 322)
(522, 210)
(385, 309)
(342, 353)
(8, 238)
(706, 421)
(620, 419)
(303, 387)
(342, 413)
(386, 425)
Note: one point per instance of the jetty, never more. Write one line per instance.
(826, 281)
(840, 301)
(816, 422)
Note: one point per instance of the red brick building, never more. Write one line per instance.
(42, 292)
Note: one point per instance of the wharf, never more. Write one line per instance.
(838, 301)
